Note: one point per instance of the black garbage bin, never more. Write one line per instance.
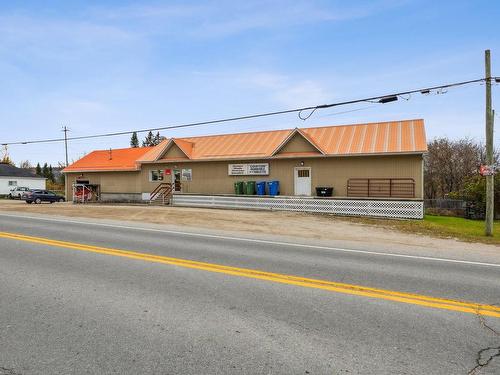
(324, 191)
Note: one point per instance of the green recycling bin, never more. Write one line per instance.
(249, 187)
(238, 188)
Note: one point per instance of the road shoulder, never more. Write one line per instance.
(295, 228)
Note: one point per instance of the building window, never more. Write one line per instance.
(187, 174)
(156, 175)
(303, 173)
(12, 183)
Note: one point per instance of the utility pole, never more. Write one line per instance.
(66, 130)
(490, 178)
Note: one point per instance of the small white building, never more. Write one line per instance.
(12, 177)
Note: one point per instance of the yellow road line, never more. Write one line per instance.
(415, 299)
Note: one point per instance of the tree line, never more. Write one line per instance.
(149, 141)
(451, 170)
(45, 171)
(450, 164)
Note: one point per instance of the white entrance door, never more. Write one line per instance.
(302, 181)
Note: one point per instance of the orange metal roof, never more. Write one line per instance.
(122, 159)
(185, 146)
(360, 139)
(241, 145)
(155, 152)
(383, 137)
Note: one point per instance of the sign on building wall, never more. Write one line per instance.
(236, 169)
(258, 169)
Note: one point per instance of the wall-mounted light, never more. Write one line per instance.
(301, 163)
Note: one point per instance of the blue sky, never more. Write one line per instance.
(108, 66)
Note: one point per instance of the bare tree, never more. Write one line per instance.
(25, 164)
(449, 164)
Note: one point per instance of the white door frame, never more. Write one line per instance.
(296, 177)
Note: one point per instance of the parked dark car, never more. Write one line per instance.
(39, 196)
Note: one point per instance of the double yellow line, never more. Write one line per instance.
(409, 298)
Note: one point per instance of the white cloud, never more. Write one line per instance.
(211, 19)
(237, 17)
(266, 80)
(286, 90)
(147, 11)
(104, 26)
(58, 39)
(302, 93)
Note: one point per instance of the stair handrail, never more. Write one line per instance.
(161, 188)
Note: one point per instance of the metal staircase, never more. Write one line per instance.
(162, 194)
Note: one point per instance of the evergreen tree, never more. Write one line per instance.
(38, 169)
(152, 140)
(134, 141)
(51, 174)
(45, 171)
(149, 140)
(62, 179)
(158, 139)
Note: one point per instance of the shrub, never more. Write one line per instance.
(475, 192)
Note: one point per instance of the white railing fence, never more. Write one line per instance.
(396, 209)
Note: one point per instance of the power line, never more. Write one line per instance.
(379, 99)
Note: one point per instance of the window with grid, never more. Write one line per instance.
(303, 173)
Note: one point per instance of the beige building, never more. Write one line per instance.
(376, 160)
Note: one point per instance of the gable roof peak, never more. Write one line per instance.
(289, 137)
(185, 146)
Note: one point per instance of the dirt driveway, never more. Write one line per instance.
(324, 228)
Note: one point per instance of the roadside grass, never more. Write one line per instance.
(442, 227)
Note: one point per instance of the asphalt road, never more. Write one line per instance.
(68, 310)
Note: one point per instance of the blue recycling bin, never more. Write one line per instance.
(261, 188)
(274, 187)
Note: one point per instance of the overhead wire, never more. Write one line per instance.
(374, 99)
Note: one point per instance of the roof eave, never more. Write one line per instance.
(277, 157)
(101, 170)
(31, 177)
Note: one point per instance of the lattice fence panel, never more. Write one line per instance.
(398, 209)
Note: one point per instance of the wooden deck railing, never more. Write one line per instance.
(381, 187)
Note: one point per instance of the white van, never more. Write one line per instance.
(18, 192)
